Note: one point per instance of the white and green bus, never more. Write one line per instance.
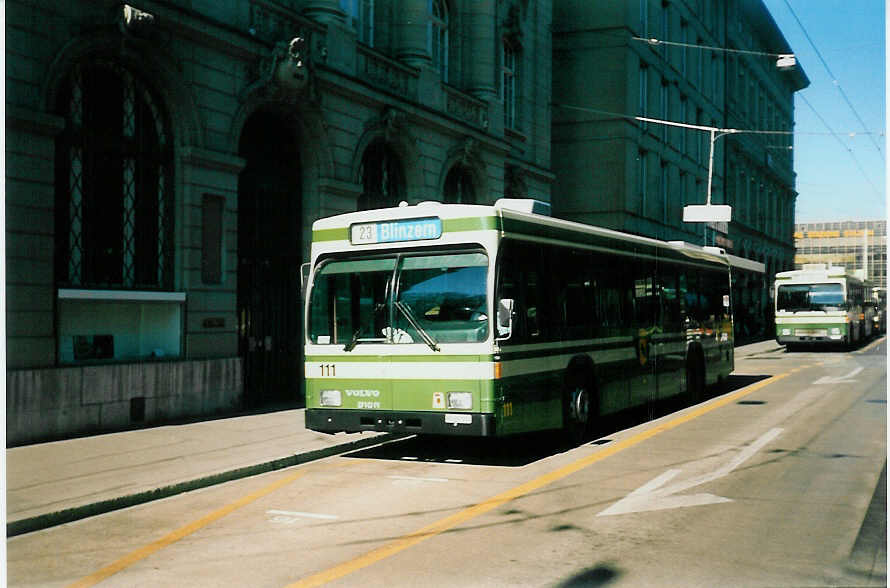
(822, 304)
(494, 320)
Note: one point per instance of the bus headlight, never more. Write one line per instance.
(330, 398)
(786, 331)
(460, 400)
(835, 331)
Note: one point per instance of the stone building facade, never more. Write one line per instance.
(166, 158)
(636, 176)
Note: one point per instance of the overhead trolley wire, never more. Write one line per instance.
(839, 140)
(834, 79)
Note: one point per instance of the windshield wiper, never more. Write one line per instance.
(353, 341)
(409, 314)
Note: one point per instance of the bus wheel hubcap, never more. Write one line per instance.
(579, 405)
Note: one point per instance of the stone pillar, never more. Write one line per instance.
(411, 30)
(480, 19)
(324, 11)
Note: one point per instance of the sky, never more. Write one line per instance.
(840, 176)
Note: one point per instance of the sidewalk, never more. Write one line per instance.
(63, 481)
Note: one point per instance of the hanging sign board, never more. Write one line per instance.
(706, 213)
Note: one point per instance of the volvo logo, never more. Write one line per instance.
(364, 393)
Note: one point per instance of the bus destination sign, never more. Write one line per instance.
(415, 229)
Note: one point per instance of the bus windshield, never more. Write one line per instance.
(803, 297)
(407, 299)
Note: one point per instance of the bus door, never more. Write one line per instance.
(643, 376)
(670, 350)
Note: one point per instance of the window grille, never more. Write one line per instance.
(114, 175)
(439, 37)
(360, 16)
(508, 85)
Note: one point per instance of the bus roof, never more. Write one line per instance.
(506, 218)
(820, 272)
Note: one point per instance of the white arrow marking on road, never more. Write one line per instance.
(842, 380)
(654, 495)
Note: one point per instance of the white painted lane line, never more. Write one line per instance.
(302, 515)
(654, 495)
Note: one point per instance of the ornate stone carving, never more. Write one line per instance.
(468, 109)
(469, 151)
(391, 120)
(286, 74)
(387, 74)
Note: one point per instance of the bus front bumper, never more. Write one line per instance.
(327, 420)
(792, 339)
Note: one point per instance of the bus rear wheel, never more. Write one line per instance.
(577, 409)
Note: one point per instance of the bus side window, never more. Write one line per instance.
(670, 302)
(692, 300)
(645, 301)
(571, 280)
(533, 291)
(519, 280)
(612, 294)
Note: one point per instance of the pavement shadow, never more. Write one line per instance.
(515, 451)
(601, 575)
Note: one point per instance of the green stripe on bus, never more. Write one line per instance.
(482, 223)
(338, 234)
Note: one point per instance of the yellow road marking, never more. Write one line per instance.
(458, 518)
(182, 532)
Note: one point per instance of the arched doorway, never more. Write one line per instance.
(269, 257)
(459, 187)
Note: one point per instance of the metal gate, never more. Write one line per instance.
(269, 257)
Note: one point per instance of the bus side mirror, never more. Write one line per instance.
(304, 279)
(505, 318)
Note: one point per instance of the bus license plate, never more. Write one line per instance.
(458, 419)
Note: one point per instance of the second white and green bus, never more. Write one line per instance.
(494, 320)
(822, 305)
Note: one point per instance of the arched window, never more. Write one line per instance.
(459, 188)
(114, 173)
(382, 178)
(439, 37)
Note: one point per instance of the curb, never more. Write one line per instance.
(68, 515)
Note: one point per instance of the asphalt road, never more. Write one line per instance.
(777, 479)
